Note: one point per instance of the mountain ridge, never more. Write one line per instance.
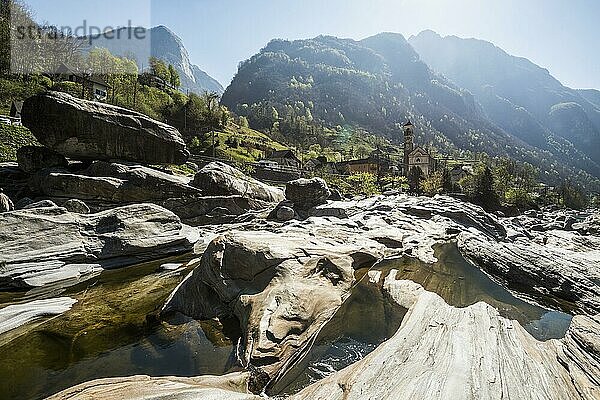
(377, 82)
(163, 44)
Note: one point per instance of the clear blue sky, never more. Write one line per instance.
(560, 35)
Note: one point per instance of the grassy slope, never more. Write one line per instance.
(11, 139)
(255, 139)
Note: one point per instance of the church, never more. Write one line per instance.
(416, 156)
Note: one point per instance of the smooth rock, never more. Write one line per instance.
(86, 130)
(283, 287)
(228, 387)
(307, 193)
(442, 352)
(14, 316)
(529, 266)
(33, 158)
(45, 245)
(76, 206)
(40, 204)
(219, 179)
(285, 214)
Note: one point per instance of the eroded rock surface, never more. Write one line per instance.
(220, 179)
(14, 316)
(443, 352)
(113, 182)
(283, 287)
(86, 130)
(230, 387)
(284, 281)
(45, 245)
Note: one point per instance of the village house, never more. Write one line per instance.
(95, 88)
(459, 172)
(416, 156)
(15, 109)
(285, 158)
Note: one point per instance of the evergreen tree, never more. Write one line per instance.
(447, 186)
(485, 195)
(175, 79)
(160, 69)
(415, 177)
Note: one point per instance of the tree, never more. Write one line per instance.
(485, 195)
(447, 186)
(244, 122)
(433, 184)
(175, 79)
(572, 196)
(159, 69)
(415, 176)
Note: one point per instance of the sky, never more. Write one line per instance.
(559, 35)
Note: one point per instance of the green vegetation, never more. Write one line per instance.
(11, 139)
(301, 91)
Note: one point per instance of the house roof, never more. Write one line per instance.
(407, 124)
(98, 80)
(17, 106)
(64, 69)
(420, 150)
(282, 154)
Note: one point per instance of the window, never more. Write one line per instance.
(418, 160)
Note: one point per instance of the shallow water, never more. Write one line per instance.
(367, 319)
(111, 331)
(107, 334)
(461, 284)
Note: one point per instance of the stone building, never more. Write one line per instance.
(416, 156)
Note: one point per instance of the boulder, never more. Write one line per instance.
(112, 182)
(45, 245)
(285, 214)
(590, 226)
(283, 287)
(14, 316)
(33, 158)
(76, 206)
(307, 193)
(219, 179)
(442, 352)
(86, 130)
(104, 185)
(6, 203)
(212, 210)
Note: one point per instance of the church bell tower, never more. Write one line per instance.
(409, 144)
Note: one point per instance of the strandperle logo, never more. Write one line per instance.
(88, 33)
(48, 48)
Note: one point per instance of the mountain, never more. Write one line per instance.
(379, 82)
(515, 89)
(162, 44)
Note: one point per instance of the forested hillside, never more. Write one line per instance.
(301, 88)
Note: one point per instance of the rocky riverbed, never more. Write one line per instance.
(125, 271)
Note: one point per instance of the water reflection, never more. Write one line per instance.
(367, 319)
(462, 284)
(108, 334)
